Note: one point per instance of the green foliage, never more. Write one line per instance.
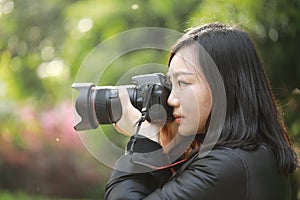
(4, 195)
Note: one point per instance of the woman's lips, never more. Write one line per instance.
(177, 119)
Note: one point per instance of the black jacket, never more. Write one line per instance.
(223, 174)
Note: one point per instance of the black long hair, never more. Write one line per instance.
(252, 116)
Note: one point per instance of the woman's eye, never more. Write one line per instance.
(182, 83)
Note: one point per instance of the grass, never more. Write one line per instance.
(5, 195)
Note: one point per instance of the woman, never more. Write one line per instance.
(244, 152)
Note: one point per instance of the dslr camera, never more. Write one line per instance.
(101, 104)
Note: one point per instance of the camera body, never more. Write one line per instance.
(101, 104)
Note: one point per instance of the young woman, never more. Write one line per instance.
(227, 136)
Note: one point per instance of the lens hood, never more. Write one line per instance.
(85, 106)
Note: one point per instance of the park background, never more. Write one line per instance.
(43, 44)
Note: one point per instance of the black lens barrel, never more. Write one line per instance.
(108, 106)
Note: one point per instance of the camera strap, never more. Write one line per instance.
(144, 111)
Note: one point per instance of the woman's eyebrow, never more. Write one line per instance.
(175, 74)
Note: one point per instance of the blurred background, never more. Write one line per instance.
(44, 42)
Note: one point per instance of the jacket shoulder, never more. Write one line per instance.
(237, 174)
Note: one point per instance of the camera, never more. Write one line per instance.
(101, 104)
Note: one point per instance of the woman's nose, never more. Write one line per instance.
(173, 100)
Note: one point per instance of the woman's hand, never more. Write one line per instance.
(130, 115)
(167, 133)
(167, 136)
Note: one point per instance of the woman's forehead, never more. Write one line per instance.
(186, 60)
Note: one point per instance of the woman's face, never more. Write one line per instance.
(190, 96)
